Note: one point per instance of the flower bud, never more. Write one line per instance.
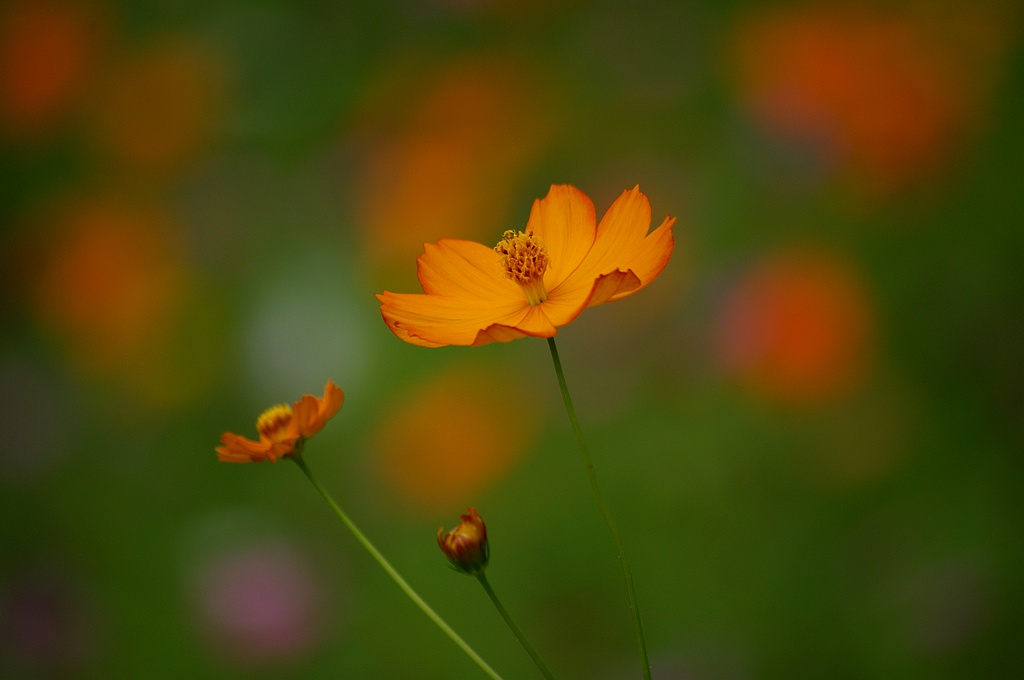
(465, 546)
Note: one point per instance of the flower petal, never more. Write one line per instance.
(649, 258)
(334, 398)
(624, 258)
(460, 268)
(407, 336)
(615, 285)
(497, 333)
(567, 301)
(303, 415)
(310, 414)
(621, 229)
(320, 410)
(565, 223)
(238, 449)
(534, 322)
(531, 321)
(436, 320)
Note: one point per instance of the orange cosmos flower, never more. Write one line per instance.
(283, 429)
(535, 280)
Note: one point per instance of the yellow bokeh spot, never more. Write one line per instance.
(446, 145)
(450, 438)
(111, 283)
(112, 280)
(158, 108)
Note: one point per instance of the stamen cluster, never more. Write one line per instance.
(523, 257)
(273, 423)
(524, 260)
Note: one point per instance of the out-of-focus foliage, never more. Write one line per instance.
(809, 428)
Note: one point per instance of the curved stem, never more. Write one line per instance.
(515, 629)
(395, 576)
(599, 499)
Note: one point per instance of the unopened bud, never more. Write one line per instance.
(465, 546)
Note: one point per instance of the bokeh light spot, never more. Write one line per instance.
(112, 282)
(159, 107)
(47, 52)
(445, 158)
(797, 327)
(889, 94)
(304, 327)
(257, 597)
(50, 629)
(450, 437)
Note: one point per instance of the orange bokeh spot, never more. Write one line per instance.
(444, 154)
(111, 283)
(47, 52)
(888, 94)
(797, 327)
(159, 107)
(453, 436)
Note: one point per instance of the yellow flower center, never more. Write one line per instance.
(273, 423)
(524, 260)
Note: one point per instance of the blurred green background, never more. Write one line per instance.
(810, 427)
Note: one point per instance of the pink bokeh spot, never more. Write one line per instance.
(260, 602)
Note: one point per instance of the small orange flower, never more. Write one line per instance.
(466, 546)
(283, 429)
(534, 280)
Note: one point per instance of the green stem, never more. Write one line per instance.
(599, 499)
(515, 629)
(413, 595)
